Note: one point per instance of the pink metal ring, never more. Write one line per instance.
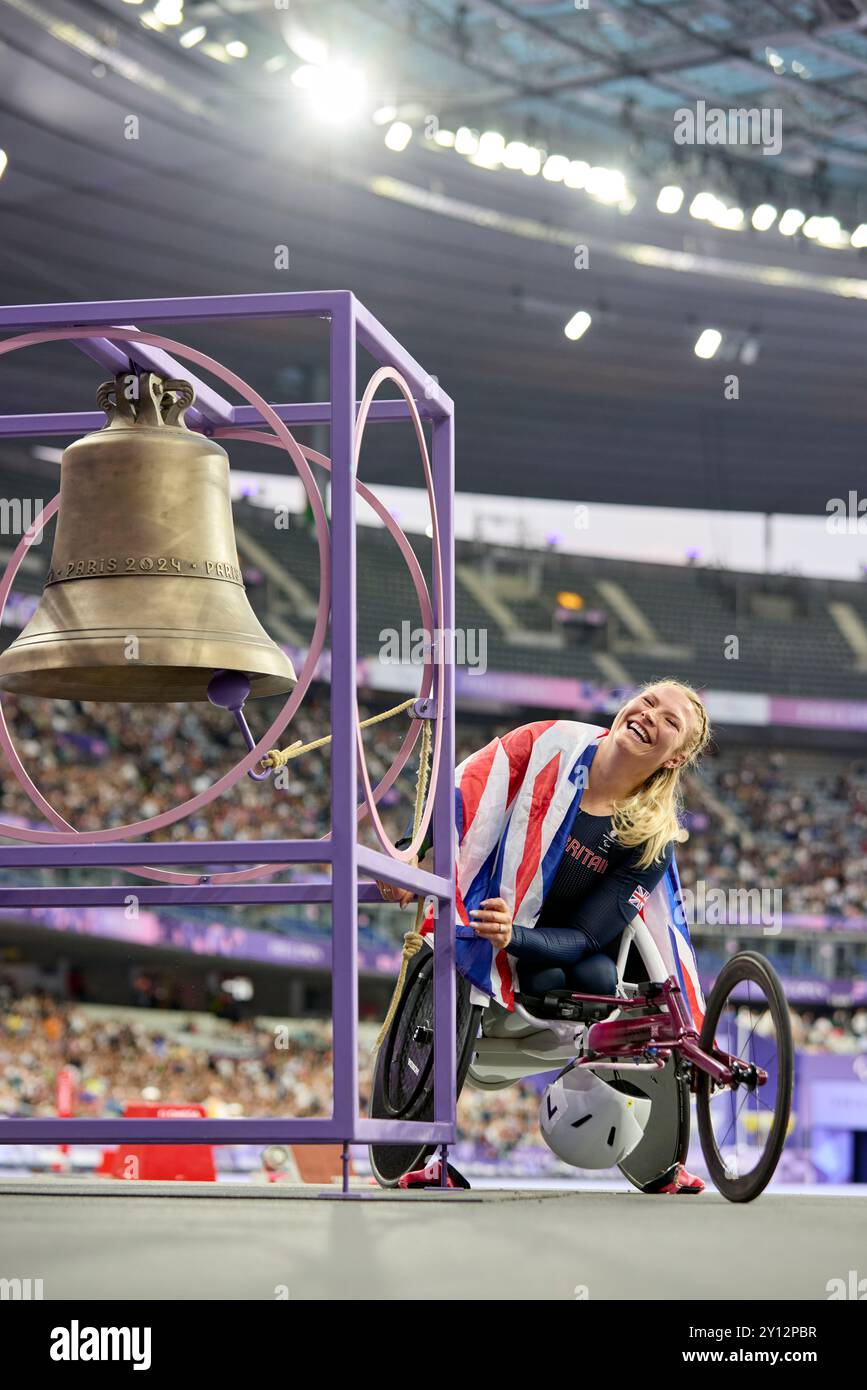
(404, 856)
(228, 780)
(285, 440)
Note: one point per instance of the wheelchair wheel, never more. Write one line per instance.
(403, 1076)
(743, 1127)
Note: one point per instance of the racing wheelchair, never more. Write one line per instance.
(739, 1066)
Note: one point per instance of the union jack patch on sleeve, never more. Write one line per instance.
(639, 898)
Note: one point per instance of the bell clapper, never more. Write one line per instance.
(229, 690)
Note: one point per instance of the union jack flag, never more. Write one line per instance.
(639, 897)
(515, 801)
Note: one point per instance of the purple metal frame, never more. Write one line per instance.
(350, 325)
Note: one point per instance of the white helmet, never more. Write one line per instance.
(590, 1123)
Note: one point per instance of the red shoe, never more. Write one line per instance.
(429, 1176)
(683, 1182)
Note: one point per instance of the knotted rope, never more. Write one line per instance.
(279, 758)
(413, 940)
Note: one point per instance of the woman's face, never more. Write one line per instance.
(653, 727)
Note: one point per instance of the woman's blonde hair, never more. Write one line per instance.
(651, 815)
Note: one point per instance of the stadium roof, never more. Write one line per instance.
(138, 166)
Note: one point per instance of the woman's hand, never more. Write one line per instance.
(395, 895)
(493, 921)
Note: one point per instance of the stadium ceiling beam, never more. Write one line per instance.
(707, 51)
(819, 137)
(507, 86)
(735, 54)
(591, 103)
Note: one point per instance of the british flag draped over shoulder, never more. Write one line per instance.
(515, 800)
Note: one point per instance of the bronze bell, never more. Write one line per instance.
(144, 599)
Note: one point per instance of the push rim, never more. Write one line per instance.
(409, 1048)
(389, 1162)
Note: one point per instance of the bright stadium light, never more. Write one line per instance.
(764, 217)
(858, 239)
(4, 160)
(790, 222)
(578, 325)
(576, 174)
(169, 12)
(445, 138)
(306, 46)
(192, 36)
(708, 342)
(276, 63)
(341, 93)
(608, 185)
(398, 136)
(514, 154)
(830, 232)
(305, 77)
(706, 206)
(491, 147)
(236, 48)
(384, 115)
(732, 219)
(532, 161)
(670, 198)
(337, 91)
(555, 168)
(217, 51)
(466, 140)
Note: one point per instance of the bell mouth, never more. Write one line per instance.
(148, 685)
(64, 666)
(59, 659)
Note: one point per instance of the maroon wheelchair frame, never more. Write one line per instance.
(656, 1036)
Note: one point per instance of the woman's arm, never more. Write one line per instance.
(595, 921)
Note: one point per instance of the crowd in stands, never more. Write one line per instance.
(837, 1031)
(102, 765)
(806, 835)
(247, 1068)
(240, 1068)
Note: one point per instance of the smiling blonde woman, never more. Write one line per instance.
(618, 847)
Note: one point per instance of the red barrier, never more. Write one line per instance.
(64, 1093)
(161, 1162)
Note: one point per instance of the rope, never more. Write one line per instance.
(278, 758)
(413, 940)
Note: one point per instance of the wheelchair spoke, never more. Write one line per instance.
(743, 1131)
